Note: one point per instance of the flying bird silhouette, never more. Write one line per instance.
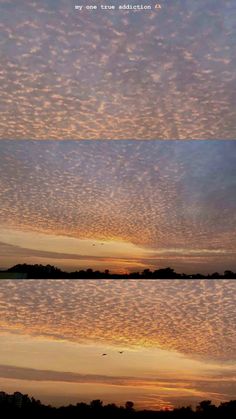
(121, 352)
(104, 354)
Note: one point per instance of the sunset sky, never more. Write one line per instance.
(130, 195)
(124, 205)
(178, 339)
(168, 73)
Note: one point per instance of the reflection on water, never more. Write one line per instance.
(196, 318)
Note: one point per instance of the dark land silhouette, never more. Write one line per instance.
(23, 271)
(21, 405)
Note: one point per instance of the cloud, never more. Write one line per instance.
(195, 318)
(20, 373)
(166, 74)
(165, 388)
(171, 198)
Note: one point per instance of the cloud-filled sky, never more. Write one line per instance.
(160, 74)
(178, 339)
(119, 205)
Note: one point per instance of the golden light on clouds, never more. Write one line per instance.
(187, 316)
(177, 338)
(119, 205)
(118, 200)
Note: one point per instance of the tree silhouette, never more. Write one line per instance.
(206, 407)
(49, 271)
(96, 404)
(20, 405)
(129, 405)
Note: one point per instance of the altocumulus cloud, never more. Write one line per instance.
(176, 200)
(117, 75)
(193, 318)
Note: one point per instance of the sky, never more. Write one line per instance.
(119, 205)
(137, 77)
(177, 338)
(167, 73)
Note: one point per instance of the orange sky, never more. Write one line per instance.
(176, 350)
(122, 206)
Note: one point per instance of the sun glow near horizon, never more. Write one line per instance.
(74, 253)
(171, 335)
(125, 205)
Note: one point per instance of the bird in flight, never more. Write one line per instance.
(104, 354)
(121, 352)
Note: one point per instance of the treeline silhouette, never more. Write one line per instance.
(50, 272)
(20, 405)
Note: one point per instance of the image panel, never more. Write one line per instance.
(158, 344)
(126, 208)
(117, 70)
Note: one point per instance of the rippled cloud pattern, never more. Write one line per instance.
(174, 201)
(164, 74)
(195, 318)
